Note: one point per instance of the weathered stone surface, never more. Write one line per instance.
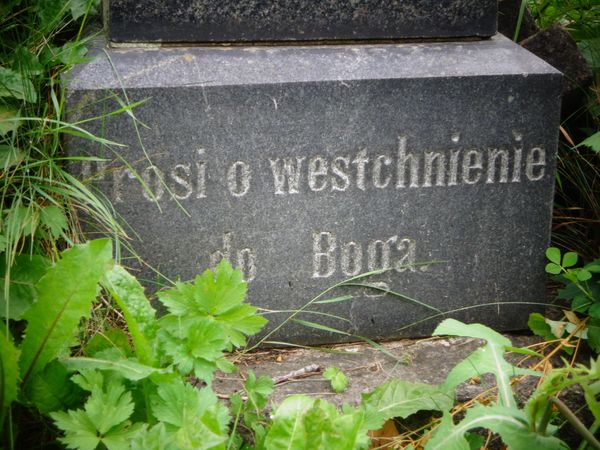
(309, 165)
(284, 20)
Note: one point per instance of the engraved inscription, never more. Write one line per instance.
(331, 255)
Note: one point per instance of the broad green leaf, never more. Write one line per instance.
(287, 430)
(510, 423)
(593, 334)
(65, 295)
(9, 121)
(553, 269)
(10, 156)
(73, 53)
(78, 8)
(9, 372)
(52, 389)
(399, 398)
(553, 254)
(303, 422)
(54, 219)
(580, 303)
(50, 13)
(24, 274)
(537, 324)
(593, 267)
(139, 314)
(128, 368)
(487, 359)
(13, 84)
(339, 381)
(569, 259)
(583, 275)
(594, 310)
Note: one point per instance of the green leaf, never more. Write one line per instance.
(302, 422)
(592, 142)
(10, 156)
(258, 390)
(139, 314)
(78, 8)
(65, 295)
(52, 389)
(24, 274)
(583, 275)
(72, 53)
(399, 398)
(218, 296)
(553, 254)
(50, 13)
(111, 338)
(569, 259)
(553, 268)
(339, 381)
(593, 334)
(9, 372)
(487, 359)
(9, 121)
(509, 423)
(593, 267)
(580, 303)
(104, 419)
(130, 369)
(594, 311)
(14, 85)
(155, 438)
(194, 346)
(54, 220)
(537, 324)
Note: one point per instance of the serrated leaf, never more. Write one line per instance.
(553, 254)
(9, 372)
(592, 142)
(509, 423)
(104, 419)
(155, 438)
(487, 359)
(72, 53)
(13, 84)
(552, 268)
(175, 401)
(339, 381)
(54, 219)
(258, 390)
(399, 398)
(218, 296)
(569, 259)
(139, 314)
(65, 295)
(24, 274)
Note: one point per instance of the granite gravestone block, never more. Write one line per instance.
(305, 166)
(289, 20)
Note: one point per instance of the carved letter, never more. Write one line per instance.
(238, 178)
(403, 158)
(516, 174)
(290, 172)
(324, 253)
(339, 172)
(181, 175)
(378, 254)
(154, 179)
(246, 262)
(217, 256)
(351, 259)
(453, 175)
(408, 259)
(472, 162)
(317, 167)
(360, 161)
(440, 172)
(380, 161)
(493, 155)
(536, 158)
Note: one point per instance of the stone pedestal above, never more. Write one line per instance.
(297, 20)
(308, 165)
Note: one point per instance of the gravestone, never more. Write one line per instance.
(289, 20)
(308, 165)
